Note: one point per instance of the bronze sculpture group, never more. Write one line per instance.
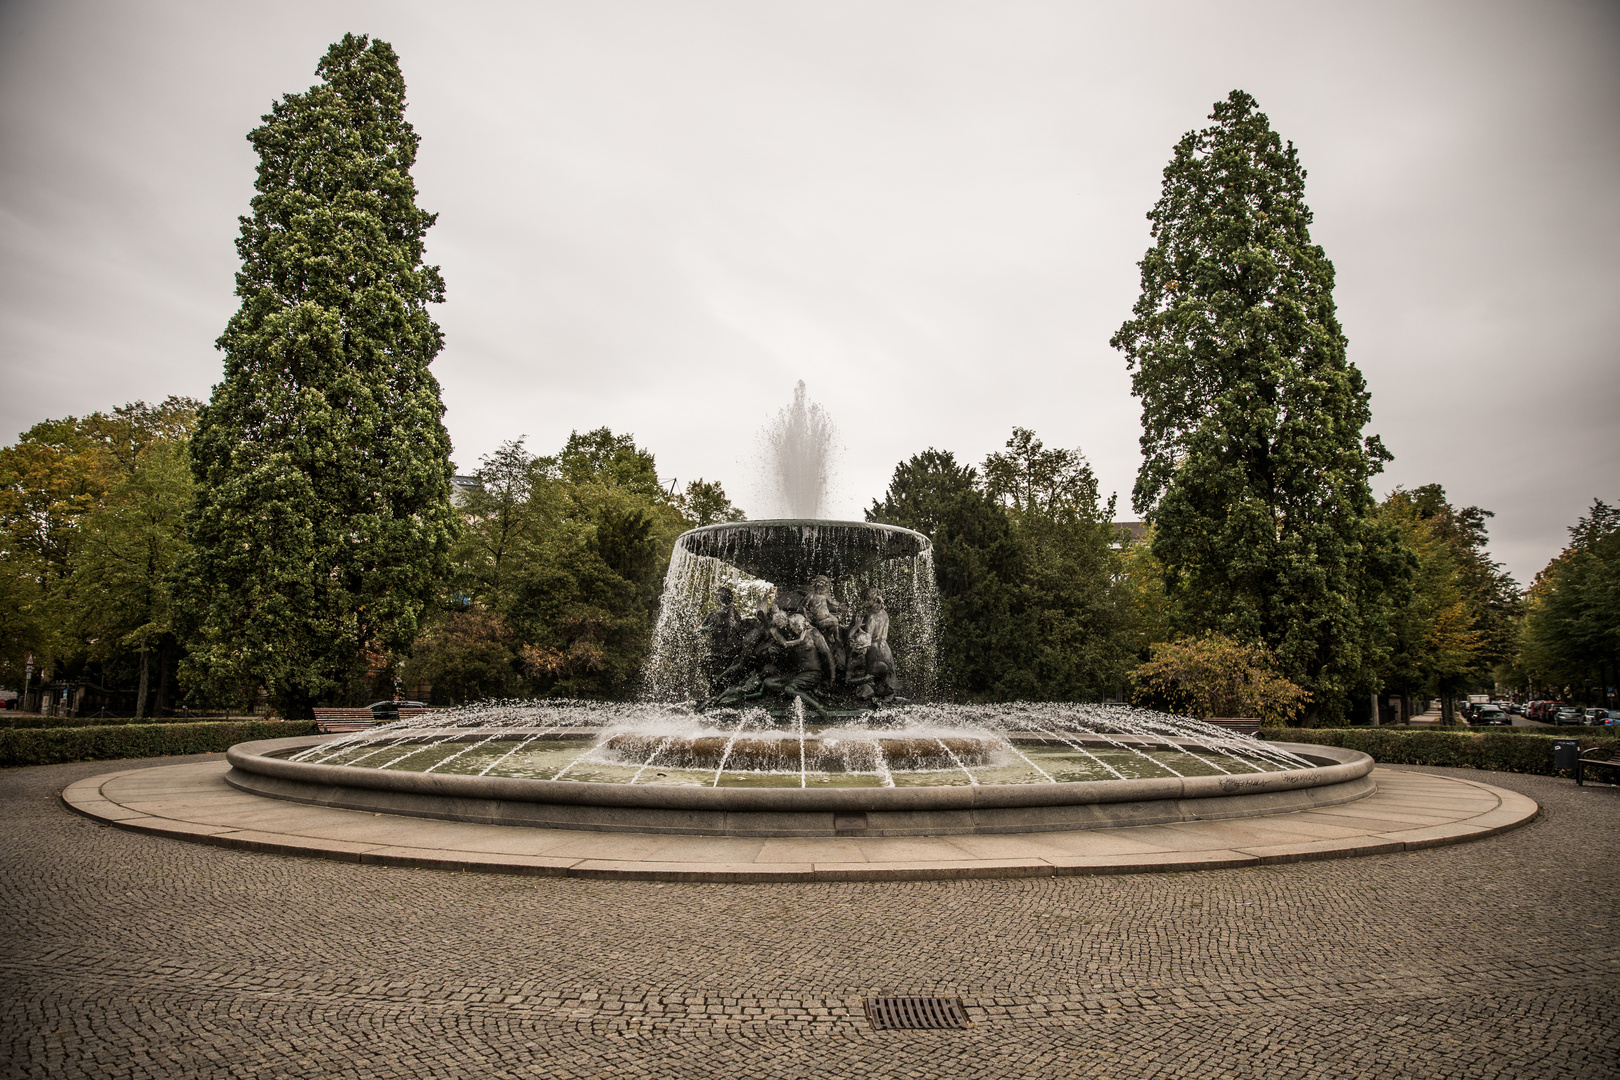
(806, 645)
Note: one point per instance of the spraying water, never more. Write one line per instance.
(911, 746)
(800, 444)
(758, 560)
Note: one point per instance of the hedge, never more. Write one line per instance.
(10, 718)
(1500, 751)
(50, 746)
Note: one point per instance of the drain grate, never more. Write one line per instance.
(916, 1013)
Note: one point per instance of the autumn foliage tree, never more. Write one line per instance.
(1460, 612)
(1215, 675)
(92, 510)
(1570, 634)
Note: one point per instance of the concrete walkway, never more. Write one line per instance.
(193, 802)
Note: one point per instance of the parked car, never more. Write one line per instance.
(1485, 714)
(1595, 716)
(1514, 709)
(1567, 714)
(1541, 711)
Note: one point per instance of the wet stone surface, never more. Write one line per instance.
(128, 955)
(779, 760)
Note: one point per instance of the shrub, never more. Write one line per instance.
(1215, 675)
(50, 746)
(1501, 751)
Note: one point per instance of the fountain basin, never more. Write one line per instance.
(1337, 776)
(825, 754)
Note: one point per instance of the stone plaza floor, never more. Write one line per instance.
(132, 955)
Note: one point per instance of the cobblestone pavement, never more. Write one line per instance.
(127, 955)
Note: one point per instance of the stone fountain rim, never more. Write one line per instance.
(878, 526)
(254, 758)
(923, 543)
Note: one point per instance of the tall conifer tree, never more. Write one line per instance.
(323, 521)
(1255, 471)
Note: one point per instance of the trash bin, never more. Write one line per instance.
(1567, 754)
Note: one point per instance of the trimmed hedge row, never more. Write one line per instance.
(1500, 751)
(13, 719)
(50, 746)
(1565, 732)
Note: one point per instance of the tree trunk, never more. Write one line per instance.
(163, 681)
(140, 695)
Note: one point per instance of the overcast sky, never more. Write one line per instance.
(658, 216)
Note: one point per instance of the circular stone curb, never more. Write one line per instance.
(1408, 811)
(982, 809)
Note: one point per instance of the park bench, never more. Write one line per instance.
(1241, 725)
(1589, 760)
(328, 721)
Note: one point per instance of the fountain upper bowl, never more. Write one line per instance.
(789, 549)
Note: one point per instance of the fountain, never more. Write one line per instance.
(918, 769)
(791, 691)
(792, 722)
(840, 616)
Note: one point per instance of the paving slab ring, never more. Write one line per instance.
(1409, 811)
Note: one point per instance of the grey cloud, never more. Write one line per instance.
(660, 216)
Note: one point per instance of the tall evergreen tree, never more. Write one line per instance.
(323, 521)
(1255, 471)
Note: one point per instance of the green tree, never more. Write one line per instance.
(1029, 582)
(121, 592)
(465, 655)
(584, 603)
(605, 459)
(49, 480)
(1071, 612)
(497, 515)
(323, 521)
(1570, 635)
(1151, 615)
(1255, 471)
(1460, 620)
(1433, 642)
(90, 510)
(705, 503)
(558, 572)
(924, 491)
(978, 566)
(1493, 599)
